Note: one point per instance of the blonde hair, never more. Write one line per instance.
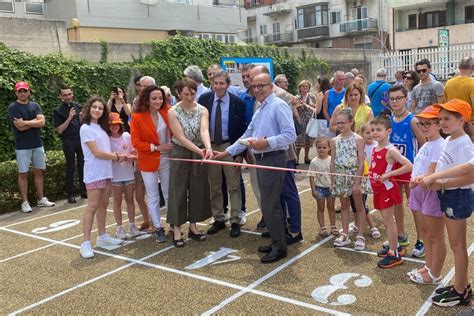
(364, 126)
(302, 82)
(321, 139)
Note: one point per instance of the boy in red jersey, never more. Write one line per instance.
(386, 190)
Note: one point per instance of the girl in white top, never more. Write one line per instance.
(320, 185)
(456, 203)
(97, 172)
(124, 177)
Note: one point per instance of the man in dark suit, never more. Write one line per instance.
(226, 124)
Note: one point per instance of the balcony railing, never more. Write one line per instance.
(250, 40)
(358, 25)
(278, 38)
(313, 31)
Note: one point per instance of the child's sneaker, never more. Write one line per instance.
(86, 250)
(133, 230)
(121, 234)
(107, 241)
(384, 251)
(448, 288)
(419, 250)
(403, 240)
(452, 298)
(390, 260)
(342, 241)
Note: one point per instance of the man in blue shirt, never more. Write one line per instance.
(269, 135)
(378, 92)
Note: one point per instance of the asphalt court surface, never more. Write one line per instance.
(42, 271)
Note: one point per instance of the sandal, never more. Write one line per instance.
(359, 243)
(334, 230)
(342, 241)
(144, 226)
(323, 232)
(418, 278)
(353, 229)
(375, 232)
(197, 237)
(423, 268)
(178, 243)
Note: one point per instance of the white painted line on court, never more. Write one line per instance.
(163, 268)
(427, 304)
(375, 254)
(251, 232)
(267, 276)
(78, 286)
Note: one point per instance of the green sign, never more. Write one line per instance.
(443, 38)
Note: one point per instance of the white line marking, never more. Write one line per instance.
(167, 269)
(251, 232)
(375, 254)
(267, 276)
(427, 304)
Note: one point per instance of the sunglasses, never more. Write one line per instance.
(424, 124)
(408, 77)
(424, 70)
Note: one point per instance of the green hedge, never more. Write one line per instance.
(54, 182)
(166, 63)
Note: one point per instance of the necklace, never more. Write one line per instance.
(400, 116)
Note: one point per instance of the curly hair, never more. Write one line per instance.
(143, 103)
(86, 113)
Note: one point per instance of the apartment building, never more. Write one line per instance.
(417, 23)
(306, 23)
(132, 21)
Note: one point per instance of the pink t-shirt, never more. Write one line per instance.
(122, 171)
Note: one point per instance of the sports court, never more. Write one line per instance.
(43, 273)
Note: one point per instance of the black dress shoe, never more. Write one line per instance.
(261, 224)
(235, 230)
(266, 235)
(291, 240)
(216, 227)
(273, 257)
(71, 200)
(265, 249)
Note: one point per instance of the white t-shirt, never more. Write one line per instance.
(455, 152)
(368, 151)
(428, 153)
(95, 169)
(321, 165)
(123, 170)
(164, 137)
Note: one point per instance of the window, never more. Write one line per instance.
(313, 16)
(335, 17)
(276, 31)
(263, 29)
(248, 33)
(412, 21)
(469, 14)
(431, 19)
(34, 6)
(360, 13)
(7, 6)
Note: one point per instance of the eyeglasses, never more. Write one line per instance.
(424, 124)
(424, 70)
(396, 99)
(342, 122)
(259, 86)
(408, 77)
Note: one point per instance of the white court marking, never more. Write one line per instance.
(375, 254)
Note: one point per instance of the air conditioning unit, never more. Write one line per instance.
(356, 3)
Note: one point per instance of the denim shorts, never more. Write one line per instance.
(457, 203)
(34, 156)
(122, 183)
(324, 192)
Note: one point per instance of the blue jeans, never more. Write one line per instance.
(290, 200)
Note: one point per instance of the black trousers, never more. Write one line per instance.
(74, 156)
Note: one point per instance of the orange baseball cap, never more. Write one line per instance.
(22, 85)
(430, 112)
(114, 118)
(459, 106)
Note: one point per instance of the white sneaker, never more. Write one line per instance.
(86, 250)
(243, 218)
(106, 241)
(121, 234)
(44, 202)
(25, 207)
(133, 230)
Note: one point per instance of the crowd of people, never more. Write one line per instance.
(409, 138)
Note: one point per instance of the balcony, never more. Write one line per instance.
(278, 9)
(362, 25)
(278, 38)
(313, 32)
(415, 4)
(250, 40)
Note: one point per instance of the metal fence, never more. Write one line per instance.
(444, 60)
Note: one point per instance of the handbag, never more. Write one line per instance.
(313, 126)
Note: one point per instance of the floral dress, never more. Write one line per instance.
(346, 161)
(190, 123)
(305, 114)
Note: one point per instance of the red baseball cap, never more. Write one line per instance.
(22, 85)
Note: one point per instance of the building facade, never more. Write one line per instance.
(133, 21)
(320, 24)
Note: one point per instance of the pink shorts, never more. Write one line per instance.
(98, 185)
(425, 201)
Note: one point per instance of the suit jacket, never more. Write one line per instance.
(144, 133)
(237, 122)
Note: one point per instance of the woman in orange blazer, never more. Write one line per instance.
(151, 138)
